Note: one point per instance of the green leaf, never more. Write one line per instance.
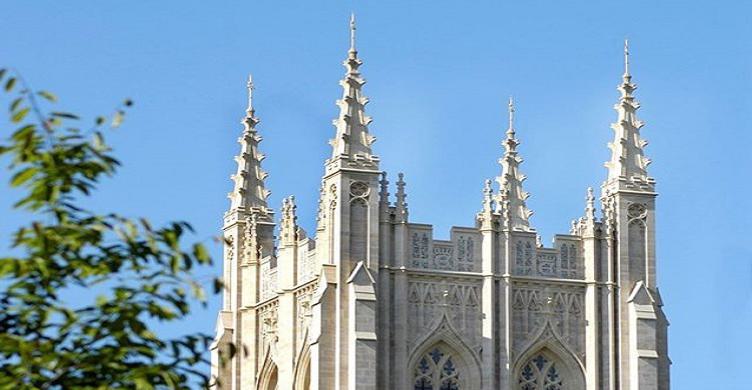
(10, 84)
(15, 104)
(66, 115)
(48, 95)
(200, 253)
(23, 176)
(19, 115)
(139, 271)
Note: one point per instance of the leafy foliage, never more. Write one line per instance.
(133, 273)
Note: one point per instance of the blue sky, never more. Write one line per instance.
(439, 74)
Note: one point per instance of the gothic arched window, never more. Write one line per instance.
(436, 370)
(540, 373)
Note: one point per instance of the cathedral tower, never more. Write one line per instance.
(373, 301)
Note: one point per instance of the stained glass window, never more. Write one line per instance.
(540, 373)
(437, 370)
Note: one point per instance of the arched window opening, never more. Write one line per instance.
(541, 373)
(437, 370)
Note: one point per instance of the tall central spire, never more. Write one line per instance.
(352, 143)
(510, 181)
(628, 165)
(249, 192)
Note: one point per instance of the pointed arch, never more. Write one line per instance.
(548, 361)
(268, 375)
(302, 373)
(443, 349)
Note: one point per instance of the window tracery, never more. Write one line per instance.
(540, 373)
(436, 370)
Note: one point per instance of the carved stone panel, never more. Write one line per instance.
(268, 280)
(547, 264)
(306, 267)
(303, 309)
(430, 297)
(268, 316)
(443, 256)
(466, 258)
(419, 249)
(563, 304)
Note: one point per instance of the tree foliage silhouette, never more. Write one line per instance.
(126, 274)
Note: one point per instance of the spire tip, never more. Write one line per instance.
(626, 57)
(510, 109)
(352, 31)
(251, 87)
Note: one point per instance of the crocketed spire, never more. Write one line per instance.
(249, 193)
(352, 143)
(627, 168)
(510, 181)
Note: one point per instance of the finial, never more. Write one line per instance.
(487, 196)
(401, 190)
(510, 107)
(352, 32)
(384, 188)
(251, 87)
(590, 205)
(400, 202)
(626, 58)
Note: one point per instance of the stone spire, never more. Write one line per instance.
(249, 192)
(627, 168)
(352, 143)
(510, 181)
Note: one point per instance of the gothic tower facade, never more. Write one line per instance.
(371, 300)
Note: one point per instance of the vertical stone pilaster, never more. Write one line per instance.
(489, 297)
(399, 356)
(321, 335)
(384, 291)
(362, 329)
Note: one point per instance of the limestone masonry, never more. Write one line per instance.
(371, 300)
